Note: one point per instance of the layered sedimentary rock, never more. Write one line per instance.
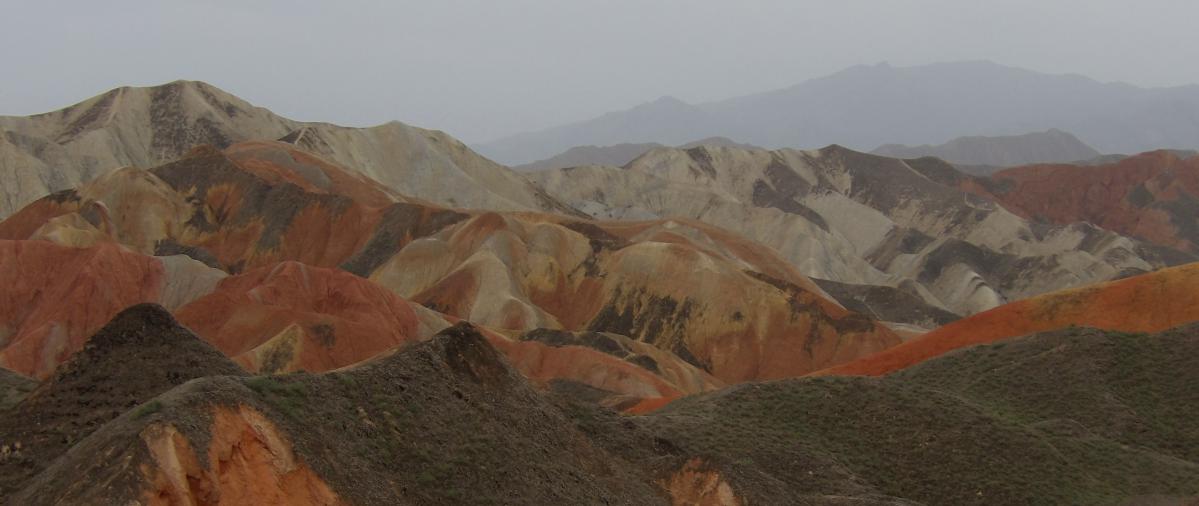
(719, 302)
(1147, 303)
(1151, 196)
(855, 218)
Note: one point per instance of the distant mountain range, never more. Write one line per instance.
(864, 107)
(1000, 151)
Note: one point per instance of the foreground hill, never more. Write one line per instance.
(141, 353)
(1000, 151)
(1076, 416)
(862, 219)
(723, 304)
(866, 106)
(1146, 303)
(1152, 196)
(440, 422)
(1062, 417)
(145, 127)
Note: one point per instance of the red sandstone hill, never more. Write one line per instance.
(54, 296)
(723, 305)
(1152, 196)
(291, 316)
(1147, 303)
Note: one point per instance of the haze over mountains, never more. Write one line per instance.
(1002, 151)
(206, 303)
(864, 107)
(976, 155)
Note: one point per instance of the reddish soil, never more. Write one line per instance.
(54, 297)
(1147, 196)
(314, 318)
(1146, 303)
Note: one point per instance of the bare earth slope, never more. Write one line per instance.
(1152, 196)
(719, 302)
(862, 219)
(148, 126)
(55, 296)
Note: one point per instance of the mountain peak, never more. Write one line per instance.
(668, 100)
(139, 354)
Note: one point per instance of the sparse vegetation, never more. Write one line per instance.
(1074, 417)
(286, 394)
(147, 409)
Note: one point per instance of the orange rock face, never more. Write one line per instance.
(690, 295)
(1146, 303)
(697, 485)
(291, 316)
(54, 297)
(249, 462)
(541, 364)
(1149, 196)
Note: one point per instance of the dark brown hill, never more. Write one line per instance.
(445, 421)
(141, 353)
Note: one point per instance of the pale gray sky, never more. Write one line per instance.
(482, 69)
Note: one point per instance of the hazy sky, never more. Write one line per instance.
(483, 69)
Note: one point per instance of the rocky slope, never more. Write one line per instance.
(862, 219)
(719, 302)
(13, 388)
(145, 127)
(1146, 303)
(1152, 196)
(1050, 146)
